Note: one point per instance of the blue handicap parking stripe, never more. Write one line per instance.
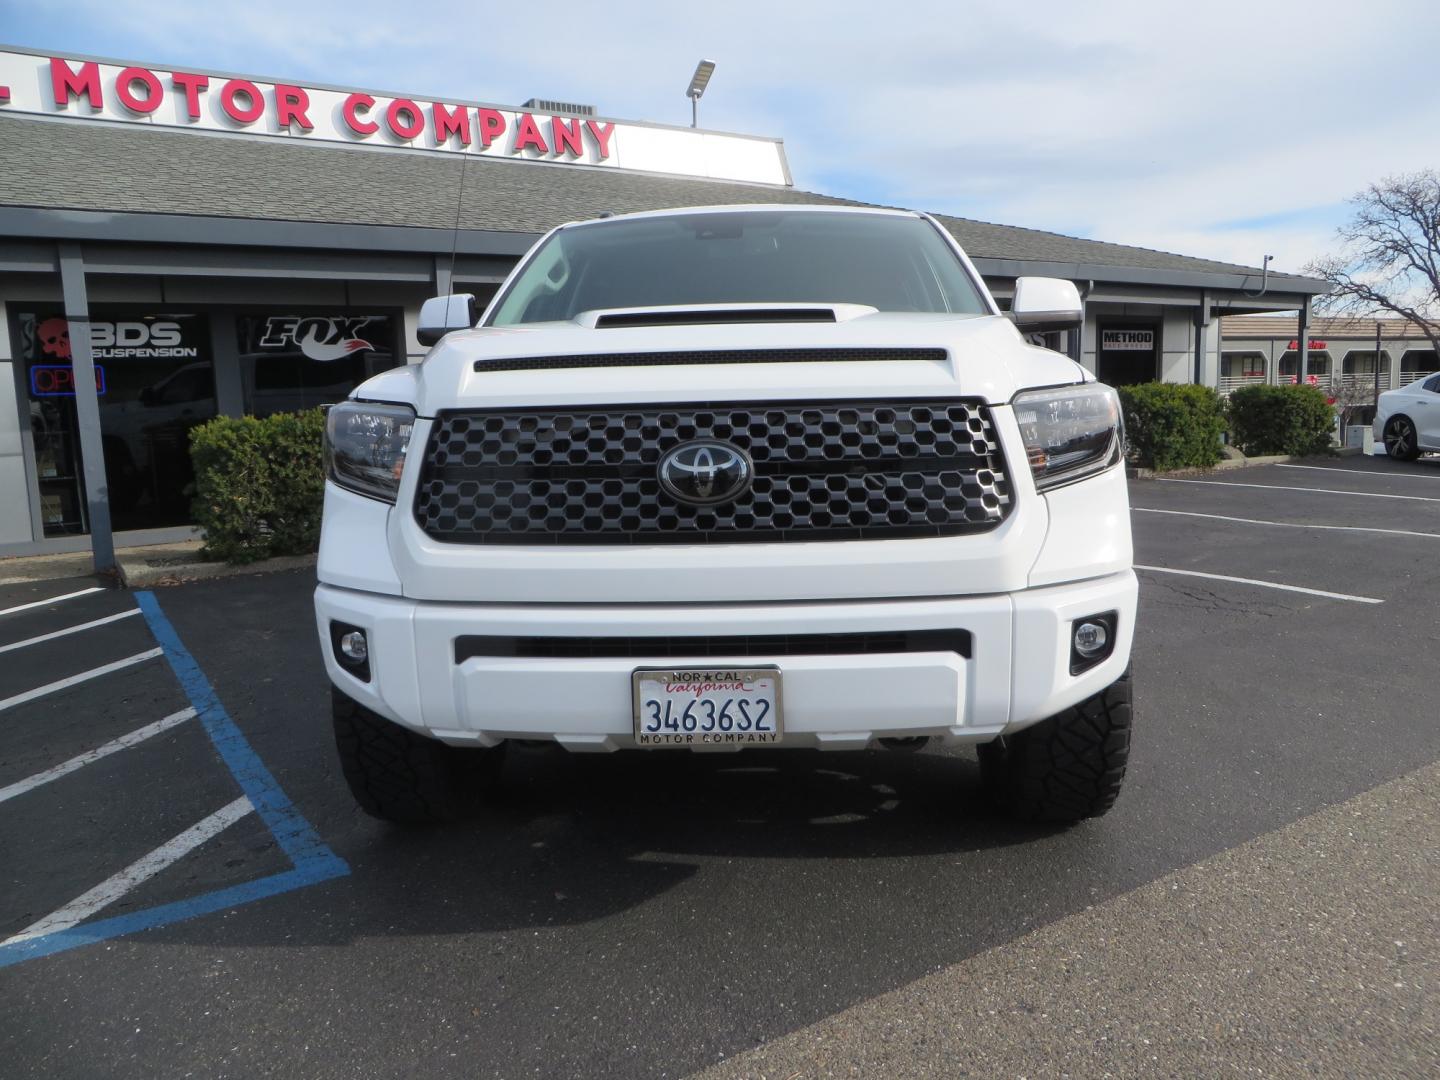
(292, 832)
(312, 859)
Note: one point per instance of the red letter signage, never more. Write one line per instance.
(84, 83)
(601, 134)
(354, 105)
(492, 126)
(565, 137)
(254, 103)
(190, 85)
(290, 105)
(451, 122)
(78, 88)
(527, 134)
(404, 118)
(125, 90)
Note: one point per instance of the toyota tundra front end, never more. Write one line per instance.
(708, 480)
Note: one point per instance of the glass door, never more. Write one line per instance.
(1128, 354)
(155, 381)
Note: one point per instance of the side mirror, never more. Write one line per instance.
(441, 314)
(1044, 304)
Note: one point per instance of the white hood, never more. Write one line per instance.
(987, 359)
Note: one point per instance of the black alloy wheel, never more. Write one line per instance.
(1401, 442)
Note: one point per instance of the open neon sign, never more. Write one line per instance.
(58, 380)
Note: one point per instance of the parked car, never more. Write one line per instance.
(1408, 419)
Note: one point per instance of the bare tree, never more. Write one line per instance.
(1390, 259)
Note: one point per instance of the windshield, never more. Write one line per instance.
(887, 262)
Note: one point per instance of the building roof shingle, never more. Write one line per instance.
(1249, 327)
(88, 165)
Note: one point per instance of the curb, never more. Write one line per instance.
(1136, 473)
(138, 573)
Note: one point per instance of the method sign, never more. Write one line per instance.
(1127, 340)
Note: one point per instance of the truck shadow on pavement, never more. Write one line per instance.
(573, 839)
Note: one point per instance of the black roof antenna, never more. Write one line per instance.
(459, 202)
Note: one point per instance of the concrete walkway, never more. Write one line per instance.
(140, 567)
(1313, 950)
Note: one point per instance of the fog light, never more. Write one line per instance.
(354, 648)
(1090, 639)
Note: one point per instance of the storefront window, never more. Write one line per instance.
(1417, 363)
(1317, 367)
(290, 362)
(155, 382)
(1242, 365)
(1128, 354)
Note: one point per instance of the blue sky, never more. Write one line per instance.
(1228, 130)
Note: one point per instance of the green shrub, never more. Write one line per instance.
(1281, 420)
(1173, 426)
(259, 484)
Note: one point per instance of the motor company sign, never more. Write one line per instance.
(119, 92)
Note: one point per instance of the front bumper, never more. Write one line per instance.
(1017, 670)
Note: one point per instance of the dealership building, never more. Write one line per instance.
(197, 243)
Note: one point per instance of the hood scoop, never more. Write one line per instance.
(720, 315)
(710, 356)
(711, 318)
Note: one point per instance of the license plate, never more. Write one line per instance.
(707, 707)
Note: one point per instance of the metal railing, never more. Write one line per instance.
(1234, 382)
(1363, 382)
(1353, 384)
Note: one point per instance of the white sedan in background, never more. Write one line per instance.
(1408, 420)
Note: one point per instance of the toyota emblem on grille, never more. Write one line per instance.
(702, 473)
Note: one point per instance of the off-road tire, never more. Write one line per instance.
(1068, 767)
(1402, 441)
(397, 775)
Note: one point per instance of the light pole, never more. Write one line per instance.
(698, 82)
(1376, 402)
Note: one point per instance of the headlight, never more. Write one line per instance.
(1070, 432)
(365, 447)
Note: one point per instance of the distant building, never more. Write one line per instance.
(1340, 355)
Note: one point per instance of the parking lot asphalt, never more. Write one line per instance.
(640, 915)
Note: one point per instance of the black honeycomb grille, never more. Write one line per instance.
(834, 471)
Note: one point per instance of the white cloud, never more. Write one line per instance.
(1159, 124)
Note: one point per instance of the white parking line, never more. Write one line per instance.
(84, 676)
(69, 630)
(1286, 524)
(65, 768)
(51, 600)
(1362, 472)
(1282, 487)
(138, 872)
(1263, 584)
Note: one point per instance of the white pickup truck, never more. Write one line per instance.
(714, 479)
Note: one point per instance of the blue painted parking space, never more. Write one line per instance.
(34, 624)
